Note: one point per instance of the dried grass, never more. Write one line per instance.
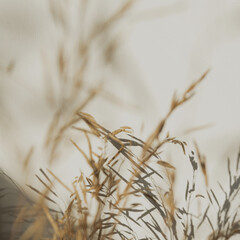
(142, 200)
(125, 193)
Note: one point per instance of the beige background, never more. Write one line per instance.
(164, 46)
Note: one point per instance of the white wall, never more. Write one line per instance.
(164, 46)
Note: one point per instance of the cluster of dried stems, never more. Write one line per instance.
(122, 203)
(126, 193)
